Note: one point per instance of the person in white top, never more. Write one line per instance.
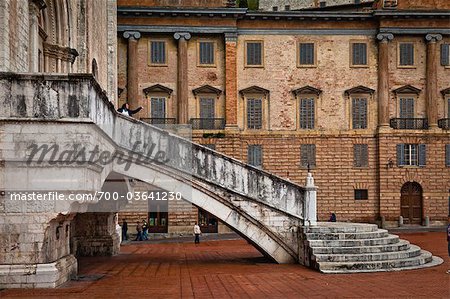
(197, 233)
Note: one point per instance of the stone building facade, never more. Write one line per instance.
(283, 5)
(359, 97)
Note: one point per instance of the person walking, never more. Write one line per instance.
(125, 109)
(144, 230)
(124, 230)
(197, 233)
(139, 231)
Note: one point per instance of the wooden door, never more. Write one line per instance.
(411, 203)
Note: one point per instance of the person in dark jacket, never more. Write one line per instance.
(332, 217)
(125, 109)
(124, 230)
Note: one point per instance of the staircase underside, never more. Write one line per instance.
(338, 247)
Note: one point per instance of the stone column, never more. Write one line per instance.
(230, 80)
(431, 79)
(132, 69)
(383, 78)
(182, 77)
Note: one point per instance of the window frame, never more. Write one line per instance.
(149, 53)
(352, 65)
(412, 66)
(299, 65)
(361, 165)
(365, 192)
(151, 103)
(359, 96)
(311, 165)
(440, 54)
(299, 108)
(447, 155)
(246, 65)
(261, 155)
(406, 96)
(246, 99)
(214, 43)
(419, 149)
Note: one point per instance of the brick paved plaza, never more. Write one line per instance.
(233, 268)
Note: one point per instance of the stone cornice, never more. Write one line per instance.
(59, 52)
(206, 89)
(411, 14)
(123, 11)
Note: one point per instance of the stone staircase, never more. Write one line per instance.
(354, 248)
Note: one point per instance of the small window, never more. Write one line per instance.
(308, 155)
(359, 54)
(254, 155)
(406, 108)
(447, 155)
(411, 154)
(210, 146)
(287, 7)
(361, 194)
(307, 113)
(306, 52)
(406, 54)
(360, 155)
(445, 54)
(254, 52)
(206, 53)
(254, 113)
(158, 52)
(275, 8)
(322, 3)
(359, 113)
(158, 107)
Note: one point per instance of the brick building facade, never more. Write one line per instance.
(362, 98)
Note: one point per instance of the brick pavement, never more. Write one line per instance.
(233, 268)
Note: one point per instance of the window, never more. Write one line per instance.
(447, 155)
(359, 54)
(158, 107)
(254, 113)
(206, 53)
(207, 108)
(361, 194)
(158, 52)
(308, 155)
(445, 54)
(254, 53)
(254, 155)
(411, 154)
(322, 3)
(306, 54)
(287, 7)
(448, 108)
(359, 113)
(210, 146)
(406, 54)
(307, 113)
(406, 108)
(360, 155)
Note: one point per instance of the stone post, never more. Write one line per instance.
(132, 68)
(383, 79)
(310, 208)
(431, 79)
(182, 77)
(231, 80)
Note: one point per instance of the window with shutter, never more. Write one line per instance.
(308, 155)
(206, 53)
(422, 159)
(307, 113)
(254, 54)
(447, 155)
(359, 113)
(406, 108)
(406, 54)
(448, 108)
(306, 54)
(254, 155)
(158, 107)
(158, 52)
(207, 113)
(254, 113)
(445, 54)
(411, 154)
(360, 155)
(359, 54)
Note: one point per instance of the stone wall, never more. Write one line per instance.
(300, 4)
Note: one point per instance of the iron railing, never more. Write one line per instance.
(444, 123)
(160, 121)
(208, 123)
(409, 123)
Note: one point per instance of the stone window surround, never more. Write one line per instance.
(447, 42)
(262, 53)
(214, 42)
(405, 95)
(416, 153)
(307, 149)
(150, 100)
(366, 158)
(159, 92)
(315, 64)
(149, 52)
(207, 91)
(369, 120)
(414, 65)
(358, 41)
(265, 110)
(298, 99)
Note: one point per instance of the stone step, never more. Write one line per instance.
(413, 251)
(377, 266)
(401, 245)
(380, 233)
(389, 239)
(341, 227)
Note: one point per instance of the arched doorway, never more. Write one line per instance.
(411, 203)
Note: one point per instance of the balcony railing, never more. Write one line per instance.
(409, 123)
(444, 123)
(159, 121)
(208, 123)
